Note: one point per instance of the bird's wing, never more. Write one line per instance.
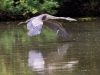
(30, 25)
(34, 26)
(33, 23)
(35, 31)
(56, 26)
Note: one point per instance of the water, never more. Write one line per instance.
(49, 54)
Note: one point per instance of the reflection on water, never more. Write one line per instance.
(53, 61)
(49, 54)
(36, 60)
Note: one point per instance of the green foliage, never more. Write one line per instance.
(6, 5)
(28, 6)
(47, 7)
(25, 7)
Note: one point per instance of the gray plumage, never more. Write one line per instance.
(34, 25)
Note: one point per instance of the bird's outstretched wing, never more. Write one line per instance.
(33, 22)
(34, 26)
(35, 31)
(56, 26)
(30, 25)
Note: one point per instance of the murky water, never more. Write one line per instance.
(49, 54)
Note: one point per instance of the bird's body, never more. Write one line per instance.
(34, 25)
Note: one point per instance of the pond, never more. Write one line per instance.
(49, 54)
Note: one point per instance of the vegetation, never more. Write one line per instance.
(25, 7)
(14, 9)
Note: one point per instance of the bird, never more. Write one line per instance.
(34, 24)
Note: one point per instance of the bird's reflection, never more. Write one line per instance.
(36, 60)
(53, 61)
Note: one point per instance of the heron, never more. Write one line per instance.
(34, 25)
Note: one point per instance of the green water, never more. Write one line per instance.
(49, 54)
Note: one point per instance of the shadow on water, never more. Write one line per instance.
(49, 54)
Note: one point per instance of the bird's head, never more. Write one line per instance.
(70, 19)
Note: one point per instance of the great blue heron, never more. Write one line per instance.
(34, 25)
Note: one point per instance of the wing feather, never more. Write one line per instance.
(56, 26)
(35, 31)
(33, 23)
(34, 26)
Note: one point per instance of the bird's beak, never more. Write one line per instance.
(70, 19)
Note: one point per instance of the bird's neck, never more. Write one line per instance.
(54, 17)
(60, 18)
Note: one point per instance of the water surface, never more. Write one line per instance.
(49, 54)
